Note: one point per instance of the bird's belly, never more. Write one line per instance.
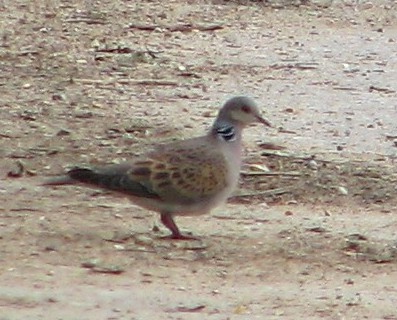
(199, 207)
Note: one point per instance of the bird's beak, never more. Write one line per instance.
(264, 121)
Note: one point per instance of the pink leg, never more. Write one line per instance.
(169, 222)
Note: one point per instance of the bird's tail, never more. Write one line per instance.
(113, 178)
(83, 176)
(73, 176)
(58, 181)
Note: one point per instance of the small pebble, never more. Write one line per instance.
(312, 164)
(342, 190)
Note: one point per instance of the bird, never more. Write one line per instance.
(185, 177)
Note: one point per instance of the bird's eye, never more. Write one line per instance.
(245, 109)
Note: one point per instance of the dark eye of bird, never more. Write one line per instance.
(245, 109)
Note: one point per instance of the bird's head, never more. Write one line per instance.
(241, 110)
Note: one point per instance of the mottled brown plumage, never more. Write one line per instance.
(187, 177)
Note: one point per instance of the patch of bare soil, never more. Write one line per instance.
(311, 232)
(288, 177)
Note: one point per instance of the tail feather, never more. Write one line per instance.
(59, 181)
(74, 176)
(111, 178)
(89, 176)
(107, 179)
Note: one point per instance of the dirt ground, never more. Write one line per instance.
(310, 234)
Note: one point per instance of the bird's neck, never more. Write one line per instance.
(227, 132)
(228, 139)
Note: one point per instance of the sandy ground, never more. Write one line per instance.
(96, 82)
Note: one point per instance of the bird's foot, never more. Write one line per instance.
(168, 221)
(180, 236)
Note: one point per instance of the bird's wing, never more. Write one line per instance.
(181, 174)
